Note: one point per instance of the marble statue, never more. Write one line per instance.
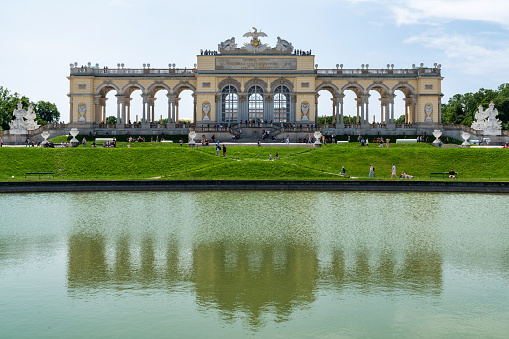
(23, 121)
(227, 45)
(283, 45)
(486, 121)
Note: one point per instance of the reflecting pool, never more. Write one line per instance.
(263, 264)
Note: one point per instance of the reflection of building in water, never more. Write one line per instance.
(254, 279)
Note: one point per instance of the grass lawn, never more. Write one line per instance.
(170, 161)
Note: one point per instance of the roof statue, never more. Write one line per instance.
(255, 45)
(487, 122)
(228, 45)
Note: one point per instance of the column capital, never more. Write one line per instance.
(171, 98)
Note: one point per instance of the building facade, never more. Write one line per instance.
(255, 82)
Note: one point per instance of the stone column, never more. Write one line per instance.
(365, 111)
(390, 101)
(171, 107)
(340, 102)
(241, 108)
(439, 108)
(120, 108)
(71, 110)
(316, 108)
(146, 98)
(97, 108)
(218, 107)
(358, 100)
(293, 109)
(414, 108)
(267, 108)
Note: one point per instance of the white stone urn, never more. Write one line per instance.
(305, 110)
(191, 136)
(45, 135)
(437, 134)
(465, 136)
(74, 132)
(318, 137)
(206, 110)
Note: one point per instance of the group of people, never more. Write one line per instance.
(218, 149)
(379, 141)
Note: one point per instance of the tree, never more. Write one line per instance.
(111, 120)
(8, 103)
(461, 108)
(400, 120)
(47, 111)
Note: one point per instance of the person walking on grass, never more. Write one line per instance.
(393, 172)
(224, 151)
(371, 171)
(270, 156)
(277, 155)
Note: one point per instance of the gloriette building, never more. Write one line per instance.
(255, 82)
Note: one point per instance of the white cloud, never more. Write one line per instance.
(465, 53)
(437, 11)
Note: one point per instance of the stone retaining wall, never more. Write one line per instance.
(254, 185)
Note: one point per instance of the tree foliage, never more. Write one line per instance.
(47, 111)
(111, 120)
(461, 108)
(9, 103)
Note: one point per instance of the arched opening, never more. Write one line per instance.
(282, 104)
(377, 104)
(186, 106)
(352, 104)
(325, 106)
(255, 103)
(108, 102)
(229, 104)
(349, 107)
(133, 102)
(404, 107)
(160, 105)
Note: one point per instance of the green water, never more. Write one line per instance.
(260, 264)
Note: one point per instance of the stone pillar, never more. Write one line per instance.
(340, 102)
(146, 98)
(97, 108)
(71, 110)
(390, 101)
(383, 102)
(267, 109)
(316, 108)
(171, 107)
(414, 109)
(439, 108)
(293, 109)
(358, 100)
(120, 108)
(218, 107)
(365, 111)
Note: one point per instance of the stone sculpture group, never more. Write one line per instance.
(24, 120)
(487, 121)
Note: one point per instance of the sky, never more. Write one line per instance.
(469, 38)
